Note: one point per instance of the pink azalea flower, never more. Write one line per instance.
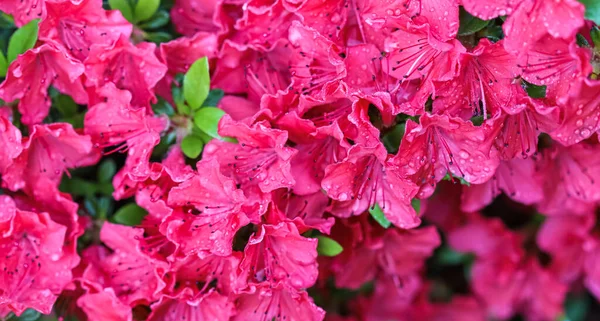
(415, 54)
(490, 9)
(398, 254)
(487, 77)
(278, 253)
(48, 152)
(135, 278)
(560, 19)
(569, 241)
(79, 25)
(115, 123)
(192, 16)
(367, 177)
(260, 158)
(274, 300)
(517, 135)
(515, 178)
(213, 213)
(317, 63)
(580, 115)
(30, 75)
(33, 267)
(24, 11)
(542, 295)
(559, 64)
(179, 54)
(196, 273)
(210, 306)
(570, 176)
(104, 306)
(132, 67)
(442, 144)
(10, 138)
(310, 209)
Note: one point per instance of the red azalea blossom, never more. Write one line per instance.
(49, 64)
(339, 160)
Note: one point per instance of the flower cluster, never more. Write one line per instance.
(299, 160)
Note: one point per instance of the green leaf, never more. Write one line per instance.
(3, 65)
(196, 83)
(22, 40)
(99, 207)
(158, 37)
(192, 146)
(393, 138)
(214, 97)
(581, 41)
(66, 105)
(328, 246)
(160, 19)
(592, 10)
(454, 179)
(145, 9)
(447, 256)
(78, 187)
(477, 120)
(165, 142)
(576, 307)
(534, 91)
(378, 215)
(162, 107)
(130, 214)
(207, 119)
(29, 315)
(470, 24)
(124, 7)
(177, 94)
(416, 204)
(106, 171)
(595, 35)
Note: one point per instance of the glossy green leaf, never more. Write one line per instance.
(592, 10)
(177, 94)
(534, 91)
(470, 24)
(456, 179)
(158, 37)
(192, 146)
(124, 7)
(378, 216)
(163, 107)
(393, 138)
(160, 19)
(577, 307)
(416, 204)
(214, 97)
(447, 256)
(196, 83)
(66, 105)
(28, 315)
(207, 119)
(130, 214)
(581, 41)
(145, 9)
(328, 246)
(22, 40)
(106, 171)
(78, 187)
(99, 207)
(595, 35)
(3, 65)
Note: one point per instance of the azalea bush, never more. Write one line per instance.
(299, 160)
